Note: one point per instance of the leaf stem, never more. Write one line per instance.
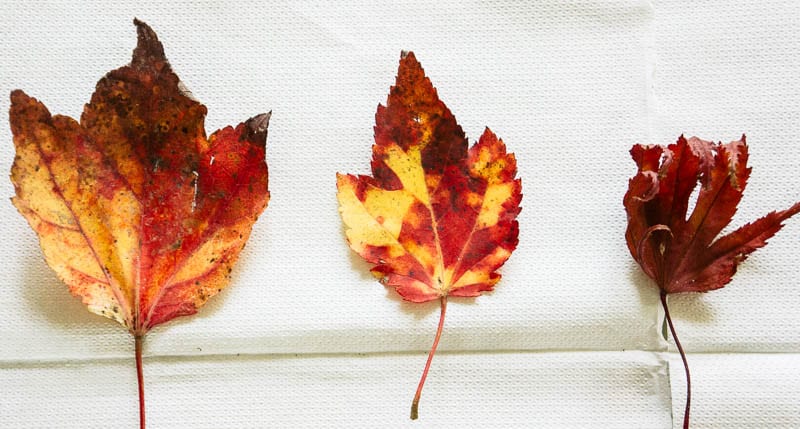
(683, 357)
(415, 403)
(138, 340)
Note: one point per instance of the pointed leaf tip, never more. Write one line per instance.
(256, 128)
(16, 94)
(148, 49)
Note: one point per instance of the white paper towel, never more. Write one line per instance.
(738, 390)
(464, 390)
(568, 85)
(563, 84)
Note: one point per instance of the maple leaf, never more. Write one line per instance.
(137, 211)
(437, 218)
(685, 254)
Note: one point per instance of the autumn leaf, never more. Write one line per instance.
(685, 254)
(137, 211)
(437, 218)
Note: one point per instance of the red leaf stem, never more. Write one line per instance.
(683, 357)
(138, 340)
(415, 404)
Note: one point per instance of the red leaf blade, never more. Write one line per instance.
(687, 259)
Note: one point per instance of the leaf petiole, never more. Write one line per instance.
(415, 403)
(138, 340)
(683, 357)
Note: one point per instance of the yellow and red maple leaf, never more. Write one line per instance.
(437, 218)
(136, 210)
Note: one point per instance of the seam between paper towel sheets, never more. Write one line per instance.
(652, 112)
(662, 356)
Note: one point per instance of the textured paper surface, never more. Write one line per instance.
(741, 390)
(568, 85)
(464, 390)
(298, 287)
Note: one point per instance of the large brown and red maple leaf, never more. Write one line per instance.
(136, 210)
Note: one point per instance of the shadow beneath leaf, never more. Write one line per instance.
(362, 267)
(691, 307)
(419, 310)
(49, 297)
(247, 258)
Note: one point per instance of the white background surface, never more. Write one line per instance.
(304, 336)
